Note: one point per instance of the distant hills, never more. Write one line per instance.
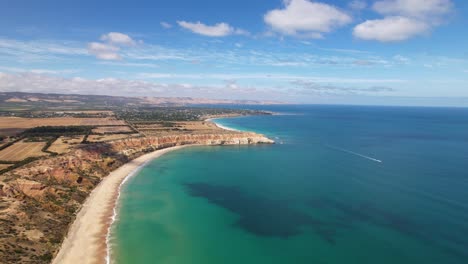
(103, 101)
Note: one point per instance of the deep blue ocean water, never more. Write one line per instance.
(343, 184)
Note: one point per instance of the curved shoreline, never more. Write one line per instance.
(87, 239)
(212, 120)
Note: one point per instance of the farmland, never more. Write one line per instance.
(104, 138)
(188, 127)
(12, 125)
(112, 130)
(65, 143)
(4, 166)
(22, 150)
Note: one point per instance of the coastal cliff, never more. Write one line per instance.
(40, 200)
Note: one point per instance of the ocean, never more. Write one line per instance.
(343, 184)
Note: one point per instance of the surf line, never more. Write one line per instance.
(354, 153)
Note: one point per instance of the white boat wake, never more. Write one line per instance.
(355, 153)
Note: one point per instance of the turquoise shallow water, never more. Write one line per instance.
(319, 197)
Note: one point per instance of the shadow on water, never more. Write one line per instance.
(261, 216)
(367, 213)
(270, 218)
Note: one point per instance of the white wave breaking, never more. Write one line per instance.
(115, 213)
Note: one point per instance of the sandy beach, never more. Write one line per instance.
(87, 237)
(213, 120)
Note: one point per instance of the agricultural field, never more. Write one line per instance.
(112, 130)
(4, 166)
(13, 125)
(91, 112)
(64, 144)
(166, 128)
(104, 138)
(22, 150)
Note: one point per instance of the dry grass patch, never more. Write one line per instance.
(64, 144)
(12, 125)
(186, 127)
(4, 166)
(112, 129)
(22, 150)
(102, 138)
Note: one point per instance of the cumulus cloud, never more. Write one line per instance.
(117, 38)
(110, 46)
(104, 51)
(390, 29)
(403, 19)
(217, 30)
(413, 8)
(305, 18)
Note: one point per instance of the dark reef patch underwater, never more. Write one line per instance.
(260, 216)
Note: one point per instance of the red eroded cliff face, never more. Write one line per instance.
(97, 160)
(43, 196)
(135, 145)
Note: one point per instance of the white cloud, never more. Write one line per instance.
(104, 51)
(38, 71)
(227, 87)
(390, 29)
(305, 18)
(166, 25)
(403, 19)
(217, 30)
(110, 47)
(128, 64)
(39, 50)
(117, 38)
(33, 82)
(358, 5)
(254, 76)
(413, 8)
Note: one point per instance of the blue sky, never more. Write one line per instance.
(401, 52)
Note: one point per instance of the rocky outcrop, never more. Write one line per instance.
(43, 196)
